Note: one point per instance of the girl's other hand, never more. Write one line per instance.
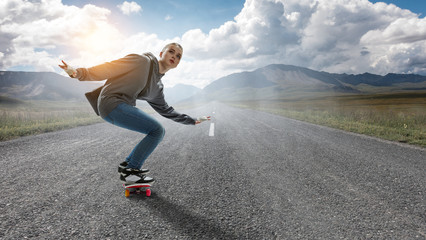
(202, 119)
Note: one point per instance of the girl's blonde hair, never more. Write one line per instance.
(173, 43)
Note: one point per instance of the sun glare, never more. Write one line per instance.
(97, 44)
(102, 39)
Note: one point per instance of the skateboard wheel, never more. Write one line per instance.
(127, 193)
(148, 192)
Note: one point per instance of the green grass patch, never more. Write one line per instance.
(397, 117)
(34, 117)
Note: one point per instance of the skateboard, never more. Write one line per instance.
(137, 189)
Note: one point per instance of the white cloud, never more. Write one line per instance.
(402, 30)
(352, 36)
(168, 17)
(31, 33)
(128, 8)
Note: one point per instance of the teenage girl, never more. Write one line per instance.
(130, 78)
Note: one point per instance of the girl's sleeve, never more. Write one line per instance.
(160, 105)
(109, 69)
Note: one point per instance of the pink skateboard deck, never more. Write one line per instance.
(137, 189)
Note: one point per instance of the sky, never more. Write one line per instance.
(219, 37)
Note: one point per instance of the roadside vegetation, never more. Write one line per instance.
(394, 116)
(21, 118)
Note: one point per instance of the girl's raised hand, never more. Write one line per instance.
(68, 69)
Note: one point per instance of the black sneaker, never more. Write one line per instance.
(133, 176)
(123, 165)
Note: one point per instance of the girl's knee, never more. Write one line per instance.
(159, 132)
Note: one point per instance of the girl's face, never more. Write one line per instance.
(171, 56)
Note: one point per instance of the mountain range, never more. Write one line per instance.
(270, 82)
(18, 86)
(277, 81)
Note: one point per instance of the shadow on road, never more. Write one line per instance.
(187, 222)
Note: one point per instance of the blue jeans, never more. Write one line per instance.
(132, 118)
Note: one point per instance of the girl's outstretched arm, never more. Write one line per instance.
(106, 70)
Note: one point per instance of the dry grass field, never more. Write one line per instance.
(393, 116)
(34, 117)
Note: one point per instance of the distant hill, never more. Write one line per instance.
(282, 76)
(277, 81)
(379, 81)
(42, 86)
(180, 92)
(10, 101)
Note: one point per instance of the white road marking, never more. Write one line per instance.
(211, 131)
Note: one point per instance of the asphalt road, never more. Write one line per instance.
(259, 176)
